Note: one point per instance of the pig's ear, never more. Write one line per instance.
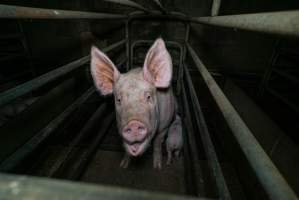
(157, 68)
(103, 71)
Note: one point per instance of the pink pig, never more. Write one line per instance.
(144, 101)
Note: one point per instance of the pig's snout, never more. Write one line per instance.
(134, 131)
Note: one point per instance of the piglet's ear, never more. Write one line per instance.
(103, 71)
(157, 68)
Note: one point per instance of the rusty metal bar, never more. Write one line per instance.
(8, 11)
(215, 7)
(273, 182)
(209, 147)
(33, 84)
(281, 23)
(129, 3)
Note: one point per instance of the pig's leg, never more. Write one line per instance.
(158, 150)
(125, 161)
(169, 155)
(177, 153)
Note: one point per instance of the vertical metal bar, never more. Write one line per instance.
(199, 183)
(273, 182)
(215, 7)
(128, 53)
(223, 190)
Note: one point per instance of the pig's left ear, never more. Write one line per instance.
(157, 68)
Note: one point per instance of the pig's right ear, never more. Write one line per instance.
(103, 71)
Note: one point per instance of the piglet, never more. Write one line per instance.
(174, 142)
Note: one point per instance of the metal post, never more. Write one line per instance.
(207, 141)
(129, 3)
(215, 7)
(281, 23)
(8, 11)
(273, 182)
(33, 84)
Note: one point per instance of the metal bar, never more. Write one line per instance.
(209, 147)
(57, 169)
(33, 84)
(175, 16)
(160, 6)
(215, 7)
(269, 176)
(81, 164)
(15, 187)
(36, 140)
(8, 11)
(129, 3)
(281, 23)
(285, 100)
(128, 45)
(199, 183)
(286, 75)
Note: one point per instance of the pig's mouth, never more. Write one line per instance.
(136, 148)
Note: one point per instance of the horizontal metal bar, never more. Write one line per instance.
(286, 75)
(33, 84)
(209, 147)
(273, 182)
(15, 187)
(36, 140)
(129, 3)
(281, 23)
(8, 11)
(285, 100)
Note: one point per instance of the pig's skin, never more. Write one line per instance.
(174, 142)
(165, 111)
(144, 101)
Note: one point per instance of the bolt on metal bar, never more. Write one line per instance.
(9, 11)
(281, 23)
(29, 146)
(273, 182)
(33, 84)
(215, 7)
(207, 141)
(129, 3)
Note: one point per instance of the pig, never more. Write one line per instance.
(174, 142)
(144, 100)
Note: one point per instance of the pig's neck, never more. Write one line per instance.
(166, 103)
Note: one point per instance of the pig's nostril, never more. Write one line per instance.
(141, 128)
(128, 130)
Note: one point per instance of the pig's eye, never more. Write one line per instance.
(118, 100)
(148, 97)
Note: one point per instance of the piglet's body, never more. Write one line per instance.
(144, 101)
(174, 142)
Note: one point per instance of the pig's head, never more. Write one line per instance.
(135, 92)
